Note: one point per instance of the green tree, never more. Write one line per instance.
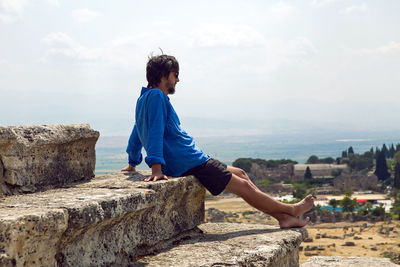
(348, 192)
(333, 203)
(344, 154)
(379, 211)
(397, 147)
(385, 150)
(307, 174)
(381, 167)
(243, 163)
(312, 159)
(377, 152)
(396, 182)
(396, 205)
(350, 151)
(348, 204)
(368, 206)
(392, 151)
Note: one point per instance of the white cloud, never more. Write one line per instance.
(62, 43)
(210, 35)
(390, 48)
(323, 2)
(123, 51)
(84, 15)
(54, 2)
(354, 8)
(11, 10)
(283, 11)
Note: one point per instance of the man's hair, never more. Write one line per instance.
(159, 66)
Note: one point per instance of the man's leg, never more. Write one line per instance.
(263, 202)
(241, 174)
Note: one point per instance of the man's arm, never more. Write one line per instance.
(157, 119)
(134, 150)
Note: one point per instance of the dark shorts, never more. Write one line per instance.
(212, 174)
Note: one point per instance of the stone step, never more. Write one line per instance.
(109, 220)
(230, 244)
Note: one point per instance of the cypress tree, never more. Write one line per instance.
(344, 154)
(308, 174)
(350, 151)
(377, 152)
(396, 183)
(397, 147)
(371, 150)
(381, 170)
(385, 150)
(392, 151)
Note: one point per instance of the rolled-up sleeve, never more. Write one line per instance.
(134, 148)
(156, 119)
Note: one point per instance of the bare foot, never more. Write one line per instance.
(303, 206)
(289, 221)
(129, 168)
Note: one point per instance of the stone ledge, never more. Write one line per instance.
(104, 221)
(40, 157)
(337, 261)
(229, 244)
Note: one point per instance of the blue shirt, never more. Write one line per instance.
(157, 129)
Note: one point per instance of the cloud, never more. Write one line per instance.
(323, 2)
(54, 2)
(63, 44)
(283, 11)
(211, 35)
(11, 10)
(390, 48)
(354, 8)
(123, 51)
(84, 15)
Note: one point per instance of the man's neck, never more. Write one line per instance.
(163, 88)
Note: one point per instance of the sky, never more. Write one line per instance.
(246, 67)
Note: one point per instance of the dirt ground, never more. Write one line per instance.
(374, 239)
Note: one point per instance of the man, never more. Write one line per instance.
(171, 151)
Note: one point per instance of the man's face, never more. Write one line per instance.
(172, 81)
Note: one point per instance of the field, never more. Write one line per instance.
(328, 239)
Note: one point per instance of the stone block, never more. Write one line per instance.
(231, 244)
(39, 157)
(107, 221)
(337, 261)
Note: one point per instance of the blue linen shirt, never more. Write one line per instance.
(157, 129)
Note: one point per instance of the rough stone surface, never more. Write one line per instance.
(106, 221)
(228, 244)
(39, 157)
(337, 261)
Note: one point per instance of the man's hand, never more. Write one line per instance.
(129, 168)
(156, 174)
(155, 178)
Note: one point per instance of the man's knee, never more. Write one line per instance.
(240, 186)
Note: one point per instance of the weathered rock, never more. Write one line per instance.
(37, 157)
(106, 221)
(228, 244)
(215, 215)
(349, 244)
(336, 261)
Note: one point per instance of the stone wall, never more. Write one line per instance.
(69, 219)
(356, 182)
(276, 175)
